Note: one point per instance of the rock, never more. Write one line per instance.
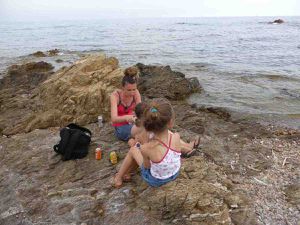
(292, 193)
(201, 198)
(78, 94)
(214, 186)
(29, 74)
(222, 113)
(59, 60)
(161, 81)
(39, 54)
(277, 21)
(15, 91)
(50, 53)
(81, 92)
(53, 52)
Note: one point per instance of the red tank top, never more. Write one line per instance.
(124, 110)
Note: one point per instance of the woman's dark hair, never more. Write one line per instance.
(130, 76)
(139, 111)
(157, 115)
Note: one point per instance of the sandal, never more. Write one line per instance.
(196, 142)
(127, 178)
(194, 150)
(189, 154)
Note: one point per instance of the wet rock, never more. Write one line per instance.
(59, 60)
(50, 53)
(53, 52)
(277, 21)
(39, 54)
(222, 113)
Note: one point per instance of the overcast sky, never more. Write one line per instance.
(92, 9)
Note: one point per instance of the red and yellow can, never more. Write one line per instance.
(98, 153)
(113, 157)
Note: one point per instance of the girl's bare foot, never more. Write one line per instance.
(117, 181)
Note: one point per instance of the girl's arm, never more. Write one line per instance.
(114, 111)
(146, 160)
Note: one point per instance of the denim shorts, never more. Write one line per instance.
(155, 182)
(123, 132)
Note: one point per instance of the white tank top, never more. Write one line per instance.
(169, 165)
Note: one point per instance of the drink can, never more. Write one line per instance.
(113, 158)
(98, 153)
(100, 121)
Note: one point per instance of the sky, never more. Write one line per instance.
(23, 10)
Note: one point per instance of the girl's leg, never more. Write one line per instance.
(133, 156)
(127, 176)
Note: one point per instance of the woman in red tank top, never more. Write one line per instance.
(123, 102)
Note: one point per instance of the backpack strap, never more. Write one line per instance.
(75, 126)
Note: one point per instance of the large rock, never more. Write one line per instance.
(37, 187)
(77, 94)
(161, 81)
(16, 88)
(28, 75)
(201, 194)
(80, 93)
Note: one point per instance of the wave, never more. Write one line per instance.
(294, 116)
(190, 24)
(199, 65)
(271, 77)
(277, 77)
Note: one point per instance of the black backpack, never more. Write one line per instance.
(74, 142)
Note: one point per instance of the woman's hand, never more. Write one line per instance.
(130, 118)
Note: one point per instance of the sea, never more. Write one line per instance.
(246, 65)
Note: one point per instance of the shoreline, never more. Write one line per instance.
(287, 121)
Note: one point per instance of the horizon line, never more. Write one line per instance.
(138, 17)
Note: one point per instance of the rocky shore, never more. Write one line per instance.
(245, 173)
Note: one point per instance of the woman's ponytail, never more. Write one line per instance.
(130, 75)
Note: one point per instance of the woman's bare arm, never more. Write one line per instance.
(114, 111)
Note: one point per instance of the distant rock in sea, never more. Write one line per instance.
(278, 21)
(52, 52)
(59, 60)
